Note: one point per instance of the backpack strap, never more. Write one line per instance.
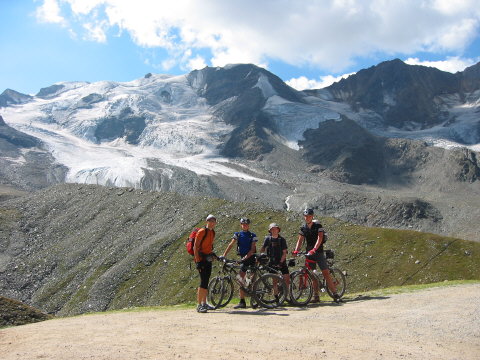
(268, 239)
(203, 238)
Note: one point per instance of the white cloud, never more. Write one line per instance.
(327, 35)
(49, 12)
(95, 32)
(196, 63)
(452, 64)
(303, 83)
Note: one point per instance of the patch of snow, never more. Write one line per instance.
(292, 119)
(389, 100)
(264, 85)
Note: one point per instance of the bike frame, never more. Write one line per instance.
(231, 270)
(307, 271)
(264, 287)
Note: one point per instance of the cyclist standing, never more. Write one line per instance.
(276, 247)
(246, 247)
(203, 255)
(315, 235)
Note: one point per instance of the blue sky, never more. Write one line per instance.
(307, 43)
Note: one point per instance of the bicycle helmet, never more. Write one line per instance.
(308, 212)
(244, 221)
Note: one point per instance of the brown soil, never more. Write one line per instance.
(438, 323)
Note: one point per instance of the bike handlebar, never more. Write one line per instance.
(228, 261)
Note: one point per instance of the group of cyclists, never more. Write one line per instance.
(274, 245)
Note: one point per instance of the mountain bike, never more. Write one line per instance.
(266, 289)
(301, 281)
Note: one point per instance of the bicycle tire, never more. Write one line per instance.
(264, 290)
(220, 291)
(340, 281)
(282, 294)
(301, 288)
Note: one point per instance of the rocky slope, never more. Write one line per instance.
(71, 249)
(25, 162)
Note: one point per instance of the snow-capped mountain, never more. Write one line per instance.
(241, 133)
(107, 132)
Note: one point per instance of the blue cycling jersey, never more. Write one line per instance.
(244, 241)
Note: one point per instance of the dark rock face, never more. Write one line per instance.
(87, 101)
(470, 78)
(218, 84)
(371, 211)
(249, 142)
(24, 161)
(349, 152)
(16, 138)
(400, 93)
(126, 125)
(47, 92)
(12, 97)
(240, 83)
(467, 168)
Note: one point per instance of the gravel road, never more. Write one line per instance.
(437, 323)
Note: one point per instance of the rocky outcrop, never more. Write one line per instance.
(14, 312)
(12, 97)
(402, 94)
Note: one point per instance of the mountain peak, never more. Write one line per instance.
(217, 84)
(399, 92)
(12, 97)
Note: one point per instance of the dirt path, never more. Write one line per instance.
(438, 323)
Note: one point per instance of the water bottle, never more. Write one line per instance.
(248, 279)
(240, 280)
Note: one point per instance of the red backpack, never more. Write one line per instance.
(191, 240)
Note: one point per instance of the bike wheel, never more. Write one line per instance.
(220, 291)
(340, 282)
(301, 288)
(270, 290)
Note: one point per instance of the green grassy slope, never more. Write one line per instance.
(13, 313)
(372, 257)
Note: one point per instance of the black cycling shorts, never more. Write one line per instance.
(205, 270)
(247, 263)
(319, 258)
(281, 266)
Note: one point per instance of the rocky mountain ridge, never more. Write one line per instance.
(240, 133)
(406, 96)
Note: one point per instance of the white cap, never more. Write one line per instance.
(210, 217)
(272, 225)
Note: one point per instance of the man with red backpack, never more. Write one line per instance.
(203, 256)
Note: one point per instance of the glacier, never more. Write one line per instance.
(180, 131)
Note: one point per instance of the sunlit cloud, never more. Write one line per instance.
(95, 32)
(452, 64)
(196, 63)
(49, 12)
(324, 35)
(303, 83)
